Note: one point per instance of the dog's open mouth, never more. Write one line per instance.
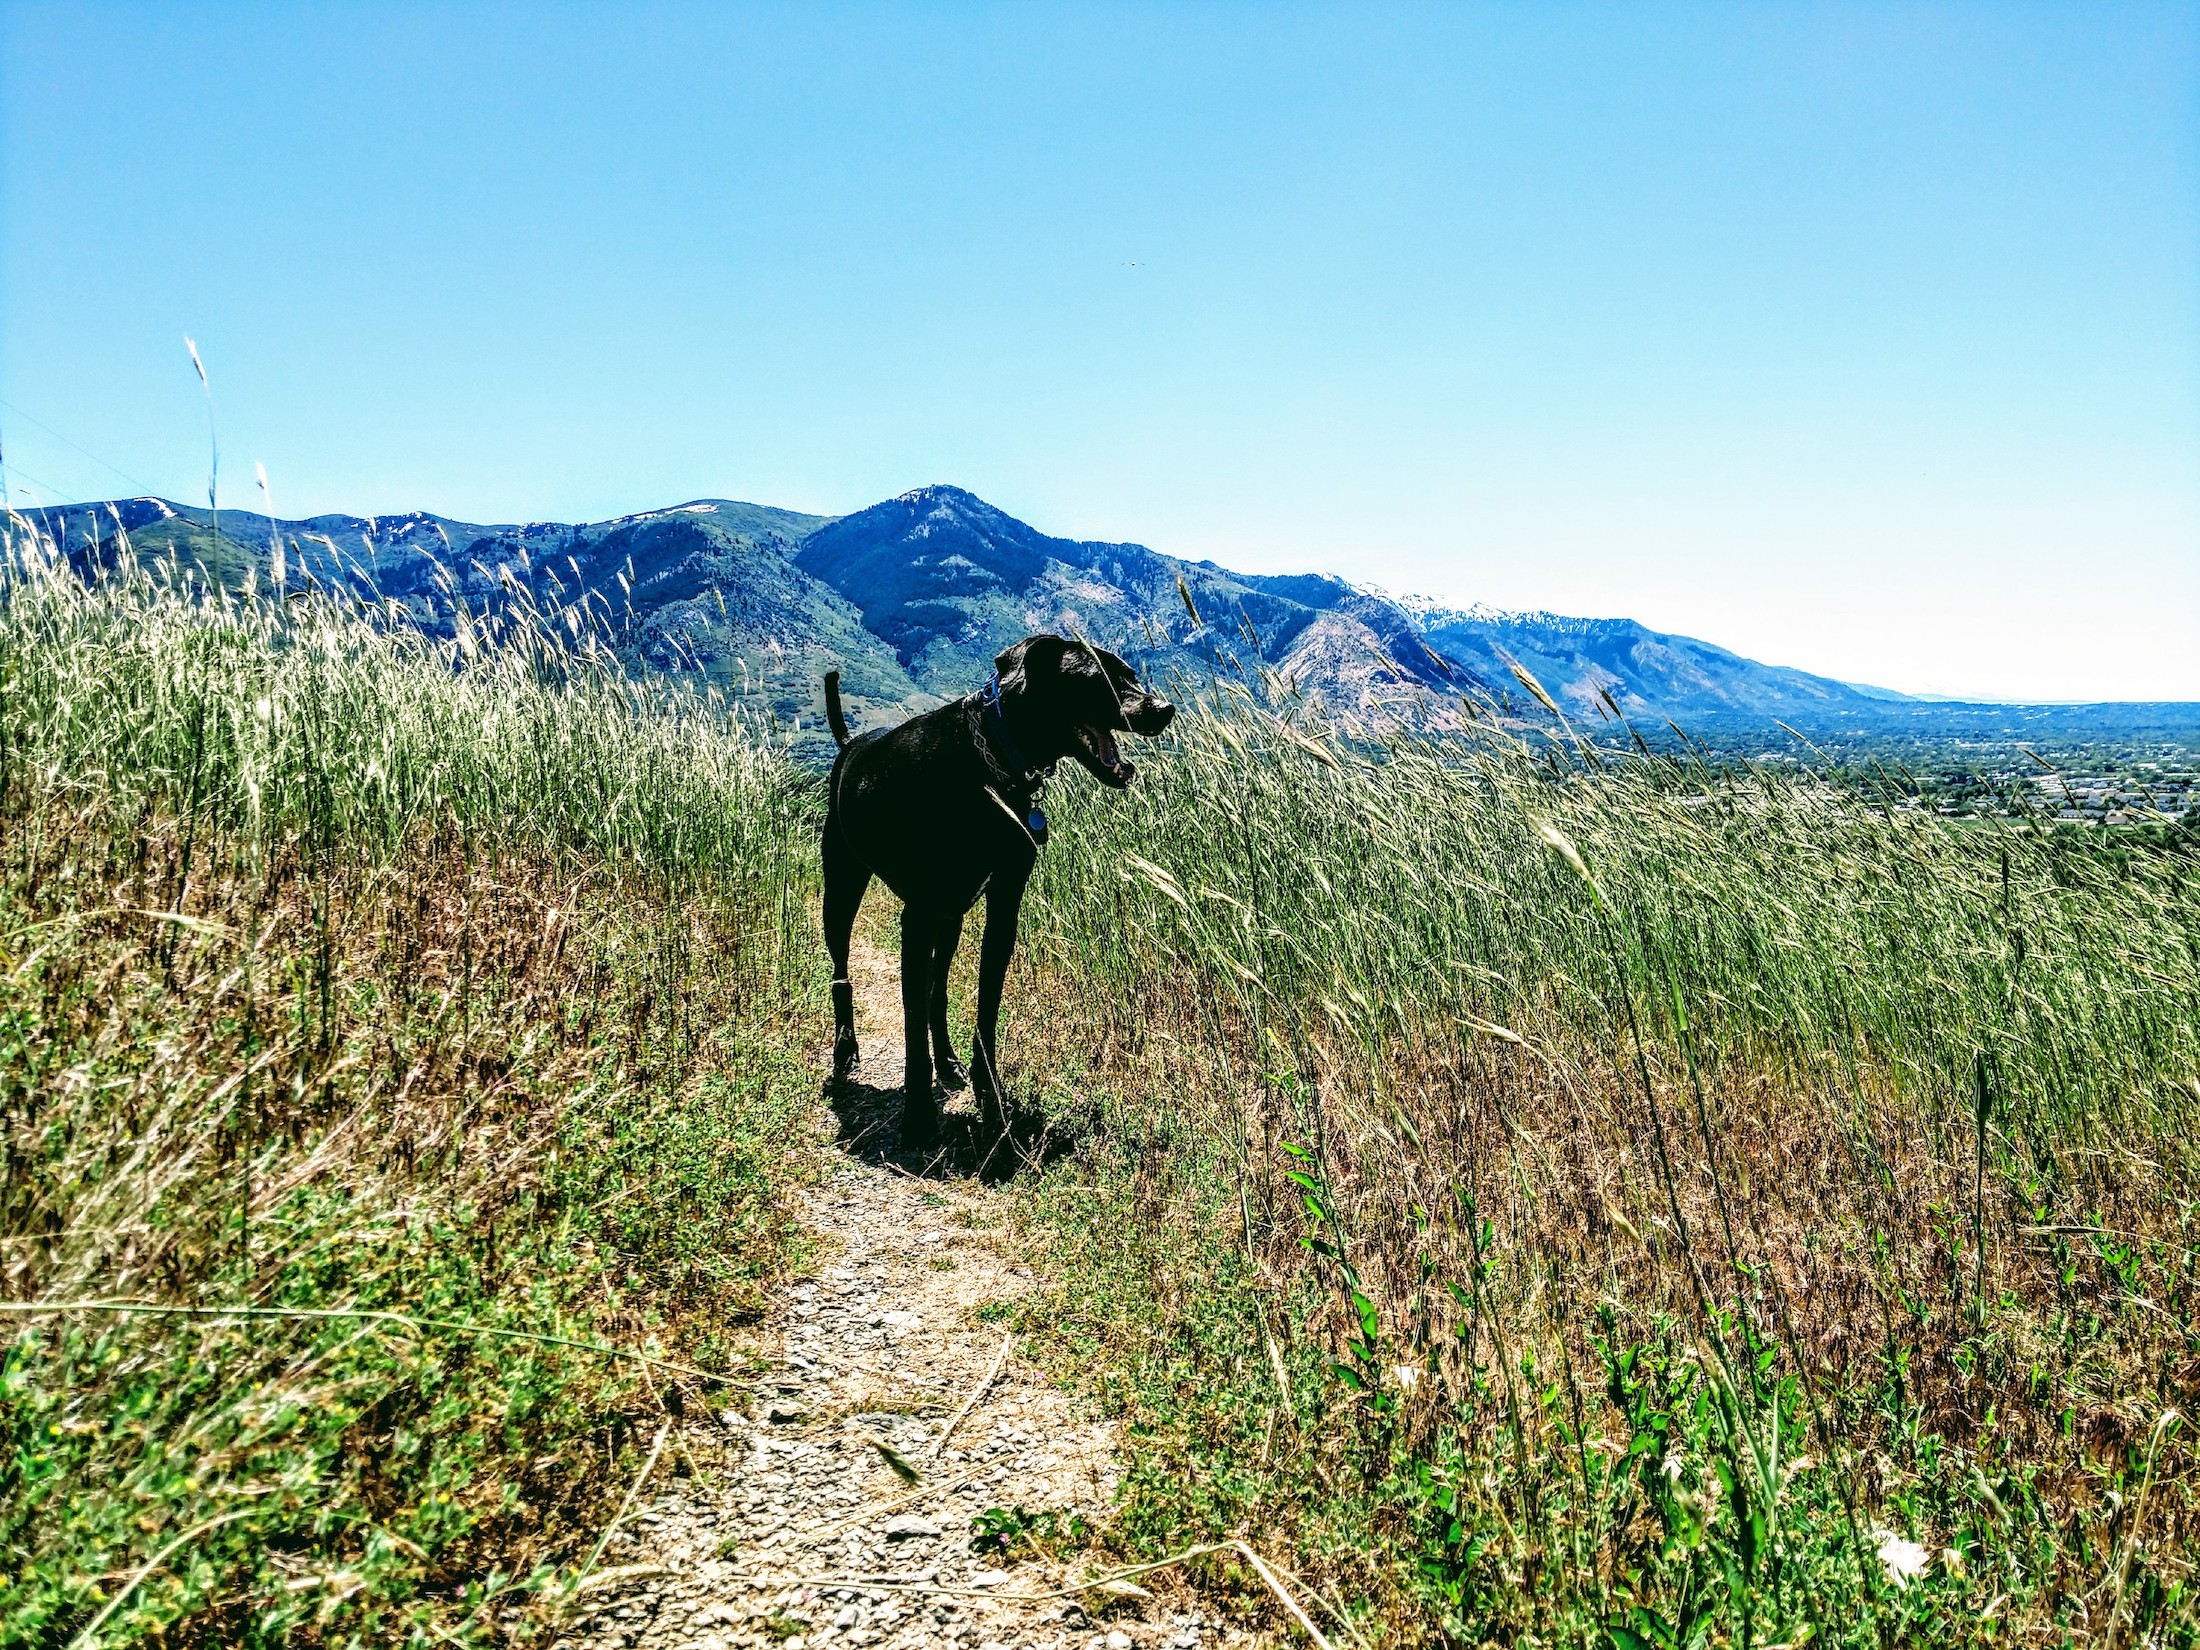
(1103, 758)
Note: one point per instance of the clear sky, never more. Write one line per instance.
(1860, 337)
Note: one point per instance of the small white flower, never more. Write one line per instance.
(1795, 1469)
(1671, 1467)
(1408, 1376)
(1902, 1560)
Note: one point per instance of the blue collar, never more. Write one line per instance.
(995, 728)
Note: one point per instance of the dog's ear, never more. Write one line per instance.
(1033, 656)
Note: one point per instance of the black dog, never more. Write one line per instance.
(945, 808)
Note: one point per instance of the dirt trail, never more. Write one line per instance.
(882, 1348)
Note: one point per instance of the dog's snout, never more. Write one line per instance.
(1150, 715)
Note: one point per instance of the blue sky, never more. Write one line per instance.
(1859, 337)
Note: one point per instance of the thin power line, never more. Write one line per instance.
(66, 442)
(61, 501)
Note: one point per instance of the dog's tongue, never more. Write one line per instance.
(1111, 758)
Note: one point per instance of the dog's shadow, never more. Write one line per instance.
(968, 1147)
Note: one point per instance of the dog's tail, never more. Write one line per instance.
(835, 718)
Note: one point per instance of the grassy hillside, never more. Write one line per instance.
(1592, 1203)
(1544, 1199)
(399, 1094)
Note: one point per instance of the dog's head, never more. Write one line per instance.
(1069, 698)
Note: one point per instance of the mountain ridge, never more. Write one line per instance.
(911, 597)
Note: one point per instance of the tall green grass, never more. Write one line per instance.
(418, 1025)
(253, 713)
(1616, 1129)
(1553, 1196)
(1810, 927)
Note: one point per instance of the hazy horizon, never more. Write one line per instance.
(1858, 338)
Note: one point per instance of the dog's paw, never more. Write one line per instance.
(953, 1075)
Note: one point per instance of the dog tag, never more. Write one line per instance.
(1036, 823)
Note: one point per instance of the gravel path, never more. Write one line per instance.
(796, 1519)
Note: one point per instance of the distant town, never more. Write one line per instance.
(2128, 781)
(2142, 792)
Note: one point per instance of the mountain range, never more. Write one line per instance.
(911, 598)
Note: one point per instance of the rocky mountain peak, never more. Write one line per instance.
(911, 598)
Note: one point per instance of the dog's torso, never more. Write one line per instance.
(930, 811)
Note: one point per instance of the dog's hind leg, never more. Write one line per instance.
(1004, 902)
(846, 879)
(920, 1111)
(953, 1076)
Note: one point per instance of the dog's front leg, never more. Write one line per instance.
(920, 1112)
(1004, 901)
(952, 1074)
